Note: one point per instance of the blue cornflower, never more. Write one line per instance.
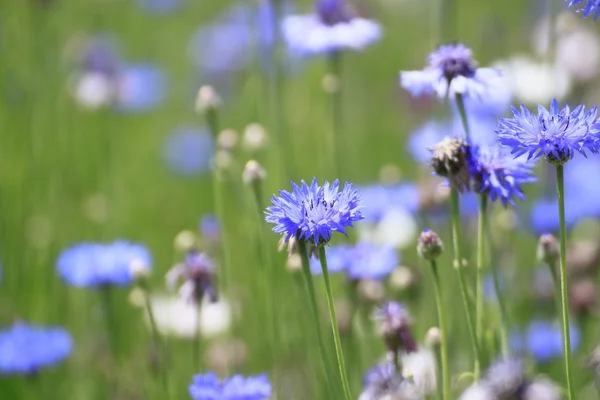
(556, 134)
(97, 264)
(451, 71)
(591, 7)
(208, 387)
(209, 226)
(497, 174)
(188, 150)
(362, 261)
(314, 212)
(140, 87)
(378, 199)
(25, 349)
(334, 26)
(543, 340)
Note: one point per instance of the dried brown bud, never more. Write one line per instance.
(449, 159)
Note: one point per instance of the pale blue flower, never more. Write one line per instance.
(334, 26)
(208, 387)
(188, 150)
(140, 87)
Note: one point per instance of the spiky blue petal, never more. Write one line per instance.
(587, 7)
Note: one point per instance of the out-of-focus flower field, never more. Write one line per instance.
(109, 168)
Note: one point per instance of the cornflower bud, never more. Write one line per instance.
(450, 160)
(430, 245)
(207, 99)
(548, 250)
(253, 173)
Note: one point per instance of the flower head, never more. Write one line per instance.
(198, 272)
(430, 245)
(451, 70)
(97, 264)
(395, 326)
(556, 134)
(24, 348)
(314, 212)
(335, 26)
(587, 7)
(208, 387)
(497, 174)
(450, 159)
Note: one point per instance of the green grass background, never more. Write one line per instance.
(54, 156)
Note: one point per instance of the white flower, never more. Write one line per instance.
(578, 53)
(397, 228)
(534, 82)
(477, 392)
(176, 317)
(420, 367)
(93, 90)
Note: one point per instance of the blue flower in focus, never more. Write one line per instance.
(188, 150)
(591, 7)
(140, 87)
(208, 387)
(314, 212)
(497, 174)
(556, 134)
(451, 71)
(361, 261)
(379, 199)
(25, 349)
(433, 132)
(334, 26)
(543, 340)
(97, 264)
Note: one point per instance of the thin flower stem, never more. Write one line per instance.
(504, 323)
(312, 303)
(198, 338)
(460, 104)
(444, 331)
(481, 227)
(335, 69)
(212, 120)
(560, 186)
(157, 341)
(334, 325)
(461, 278)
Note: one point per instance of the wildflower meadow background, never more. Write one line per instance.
(143, 249)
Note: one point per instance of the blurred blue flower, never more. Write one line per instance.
(337, 259)
(334, 26)
(433, 132)
(451, 71)
(361, 261)
(553, 133)
(140, 87)
(369, 261)
(208, 387)
(159, 6)
(582, 200)
(379, 199)
(209, 226)
(314, 212)
(497, 174)
(495, 103)
(543, 340)
(591, 7)
(99, 54)
(98, 264)
(25, 349)
(188, 150)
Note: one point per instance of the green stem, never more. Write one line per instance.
(109, 320)
(461, 278)
(503, 311)
(312, 303)
(460, 104)
(481, 227)
(212, 121)
(335, 69)
(560, 186)
(158, 344)
(198, 338)
(334, 325)
(444, 331)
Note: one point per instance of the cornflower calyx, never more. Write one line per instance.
(548, 250)
(453, 60)
(450, 159)
(333, 12)
(430, 245)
